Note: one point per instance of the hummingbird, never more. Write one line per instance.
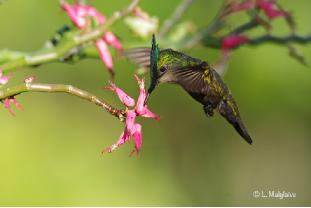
(195, 76)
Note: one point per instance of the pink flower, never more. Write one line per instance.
(102, 47)
(81, 15)
(132, 129)
(78, 20)
(269, 7)
(7, 103)
(112, 40)
(125, 137)
(233, 41)
(130, 121)
(3, 79)
(104, 54)
(137, 136)
(141, 108)
(125, 99)
(89, 11)
(242, 6)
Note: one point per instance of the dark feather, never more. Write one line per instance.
(233, 118)
(154, 58)
(192, 79)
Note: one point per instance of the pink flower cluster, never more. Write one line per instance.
(83, 16)
(269, 7)
(8, 101)
(132, 129)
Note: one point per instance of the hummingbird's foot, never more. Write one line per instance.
(209, 110)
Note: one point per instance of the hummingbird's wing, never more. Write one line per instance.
(193, 80)
(139, 56)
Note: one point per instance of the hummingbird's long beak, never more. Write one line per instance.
(146, 99)
(152, 86)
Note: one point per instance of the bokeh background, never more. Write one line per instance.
(50, 152)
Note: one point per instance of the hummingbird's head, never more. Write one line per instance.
(164, 64)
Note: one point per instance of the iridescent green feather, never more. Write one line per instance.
(154, 56)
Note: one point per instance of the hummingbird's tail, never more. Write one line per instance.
(229, 111)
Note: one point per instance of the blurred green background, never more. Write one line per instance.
(50, 152)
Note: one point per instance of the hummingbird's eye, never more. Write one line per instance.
(163, 69)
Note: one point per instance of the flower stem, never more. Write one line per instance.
(14, 60)
(61, 88)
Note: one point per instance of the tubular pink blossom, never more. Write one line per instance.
(92, 12)
(233, 41)
(243, 6)
(124, 98)
(142, 95)
(112, 40)
(130, 121)
(7, 104)
(141, 108)
(89, 11)
(72, 12)
(79, 10)
(137, 137)
(3, 79)
(105, 54)
(270, 9)
(149, 114)
(122, 139)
